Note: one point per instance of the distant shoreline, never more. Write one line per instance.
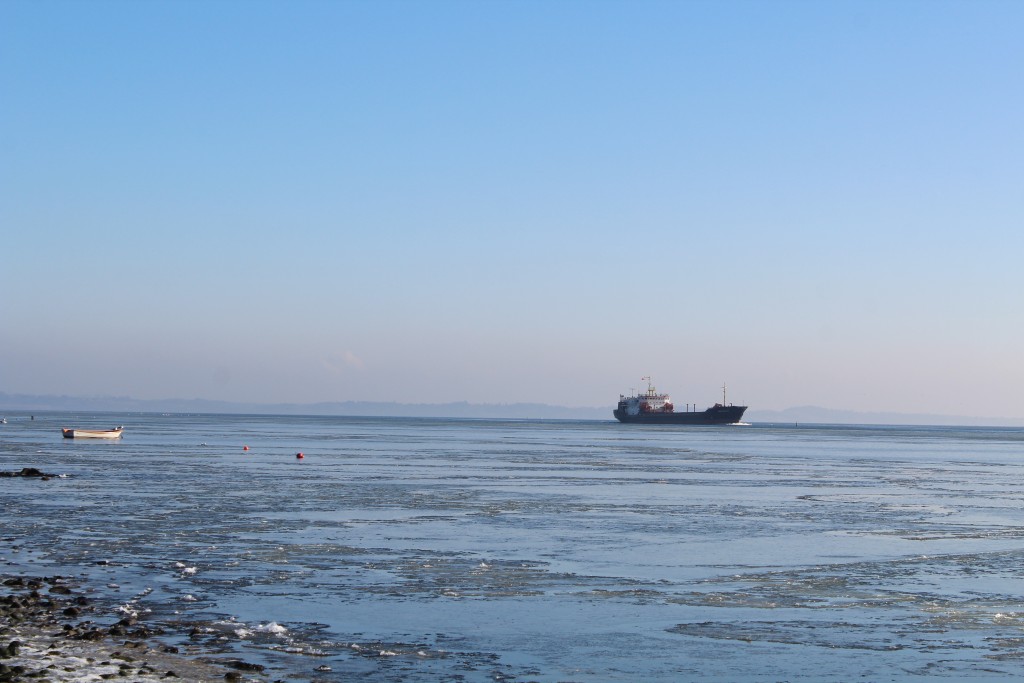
(24, 405)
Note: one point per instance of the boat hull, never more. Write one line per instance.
(718, 415)
(91, 433)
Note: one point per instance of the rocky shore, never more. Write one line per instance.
(49, 631)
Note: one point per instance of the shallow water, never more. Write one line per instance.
(481, 550)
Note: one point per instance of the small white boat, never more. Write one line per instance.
(92, 433)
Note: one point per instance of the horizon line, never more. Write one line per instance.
(803, 413)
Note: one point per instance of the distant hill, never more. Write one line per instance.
(24, 402)
(538, 411)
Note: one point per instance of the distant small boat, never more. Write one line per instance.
(92, 433)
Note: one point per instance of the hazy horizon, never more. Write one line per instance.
(816, 204)
(23, 406)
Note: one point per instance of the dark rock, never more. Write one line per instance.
(8, 651)
(92, 634)
(142, 633)
(28, 472)
(11, 673)
(245, 666)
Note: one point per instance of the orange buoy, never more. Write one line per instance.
(300, 456)
(245, 448)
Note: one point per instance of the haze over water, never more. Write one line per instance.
(480, 550)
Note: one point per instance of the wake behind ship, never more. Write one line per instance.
(651, 407)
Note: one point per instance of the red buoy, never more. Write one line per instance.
(300, 456)
(245, 448)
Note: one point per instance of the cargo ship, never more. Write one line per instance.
(651, 407)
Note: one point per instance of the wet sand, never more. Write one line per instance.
(50, 631)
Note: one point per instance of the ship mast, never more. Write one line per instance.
(723, 395)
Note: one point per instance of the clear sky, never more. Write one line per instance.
(816, 202)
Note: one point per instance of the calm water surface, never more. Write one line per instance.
(424, 550)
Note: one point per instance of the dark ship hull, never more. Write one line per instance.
(716, 415)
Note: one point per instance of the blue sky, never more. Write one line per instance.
(818, 203)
